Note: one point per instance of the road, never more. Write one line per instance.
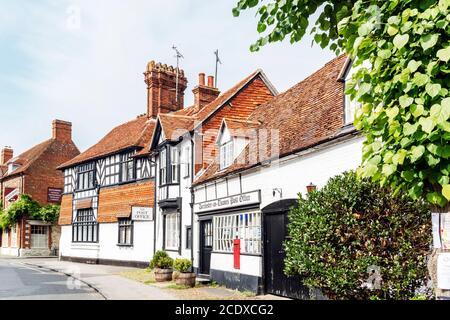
(19, 281)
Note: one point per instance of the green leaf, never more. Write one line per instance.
(433, 89)
(261, 27)
(405, 101)
(399, 157)
(409, 129)
(428, 41)
(388, 169)
(446, 191)
(440, 113)
(436, 198)
(416, 153)
(417, 110)
(401, 40)
(392, 112)
(420, 79)
(444, 54)
(363, 89)
(413, 65)
(427, 124)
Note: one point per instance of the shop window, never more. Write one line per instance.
(172, 231)
(85, 227)
(244, 226)
(125, 232)
(39, 237)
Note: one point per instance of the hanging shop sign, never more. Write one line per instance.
(242, 199)
(54, 195)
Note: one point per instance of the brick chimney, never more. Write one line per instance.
(62, 130)
(204, 94)
(6, 155)
(161, 88)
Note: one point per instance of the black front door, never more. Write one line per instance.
(276, 282)
(206, 244)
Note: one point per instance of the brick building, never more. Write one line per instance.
(34, 172)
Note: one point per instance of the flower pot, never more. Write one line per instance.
(186, 279)
(162, 275)
(175, 275)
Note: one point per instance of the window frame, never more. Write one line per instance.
(125, 160)
(226, 154)
(176, 232)
(188, 238)
(85, 222)
(32, 239)
(174, 167)
(86, 170)
(187, 162)
(127, 224)
(227, 228)
(163, 167)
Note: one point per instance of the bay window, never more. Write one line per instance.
(172, 231)
(174, 164)
(163, 167)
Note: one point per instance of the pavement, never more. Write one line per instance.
(19, 281)
(101, 279)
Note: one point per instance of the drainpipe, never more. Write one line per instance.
(192, 202)
(154, 204)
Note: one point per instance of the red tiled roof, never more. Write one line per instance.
(196, 118)
(308, 113)
(135, 133)
(238, 128)
(174, 126)
(29, 157)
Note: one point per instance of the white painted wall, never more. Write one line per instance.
(291, 175)
(107, 248)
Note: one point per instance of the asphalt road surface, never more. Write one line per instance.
(19, 281)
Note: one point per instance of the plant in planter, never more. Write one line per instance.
(185, 276)
(162, 264)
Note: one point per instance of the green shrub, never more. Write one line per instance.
(182, 265)
(340, 231)
(25, 206)
(161, 260)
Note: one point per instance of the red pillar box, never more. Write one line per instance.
(237, 253)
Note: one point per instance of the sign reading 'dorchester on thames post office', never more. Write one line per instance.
(142, 214)
(242, 199)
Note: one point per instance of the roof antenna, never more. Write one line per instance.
(178, 56)
(216, 53)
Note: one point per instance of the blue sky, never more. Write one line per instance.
(82, 60)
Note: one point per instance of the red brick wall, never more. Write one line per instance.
(253, 95)
(43, 174)
(119, 200)
(65, 214)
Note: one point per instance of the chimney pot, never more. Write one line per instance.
(201, 79)
(6, 155)
(62, 130)
(211, 81)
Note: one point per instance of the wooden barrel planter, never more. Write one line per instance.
(186, 279)
(162, 275)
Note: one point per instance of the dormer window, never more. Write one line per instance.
(226, 154)
(13, 167)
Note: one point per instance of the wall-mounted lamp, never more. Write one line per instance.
(311, 187)
(279, 190)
